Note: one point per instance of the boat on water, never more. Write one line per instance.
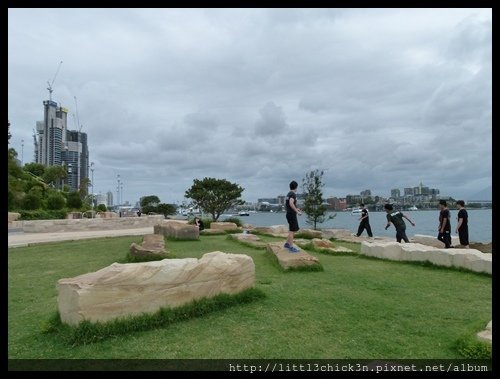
(356, 212)
(243, 213)
(413, 208)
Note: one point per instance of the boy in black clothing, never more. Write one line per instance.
(364, 222)
(462, 225)
(397, 219)
(291, 216)
(444, 228)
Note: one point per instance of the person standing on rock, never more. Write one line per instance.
(364, 222)
(291, 216)
(444, 228)
(462, 225)
(396, 217)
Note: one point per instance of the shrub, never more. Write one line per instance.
(41, 214)
(56, 201)
(471, 348)
(101, 208)
(206, 222)
(31, 201)
(74, 200)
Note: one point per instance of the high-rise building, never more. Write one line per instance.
(366, 193)
(56, 145)
(109, 195)
(395, 193)
(408, 191)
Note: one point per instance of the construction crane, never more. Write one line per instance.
(50, 84)
(77, 117)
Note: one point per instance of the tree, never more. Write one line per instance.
(214, 196)
(31, 202)
(314, 206)
(37, 169)
(150, 204)
(166, 209)
(101, 208)
(54, 174)
(74, 200)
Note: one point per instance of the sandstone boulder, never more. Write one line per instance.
(13, 216)
(432, 240)
(177, 230)
(288, 260)
(121, 290)
(223, 225)
(153, 245)
(310, 233)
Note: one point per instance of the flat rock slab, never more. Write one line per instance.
(470, 259)
(250, 239)
(212, 232)
(288, 260)
(121, 290)
(323, 244)
(177, 230)
(487, 334)
(223, 226)
(310, 233)
(432, 240)
(274, 230)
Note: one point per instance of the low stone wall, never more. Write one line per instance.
(52, 226)
(470, 259)
(121, 290)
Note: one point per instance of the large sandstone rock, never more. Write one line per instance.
(289, 260)
(432, 240)
(487, 334)
(470, 259)
(177, 230)
(249, 239)
(322, 244)
(131, 289)
(223, 225)
(274, 230)
(310, 233)
(153, 245)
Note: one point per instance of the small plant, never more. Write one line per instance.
(471, 348)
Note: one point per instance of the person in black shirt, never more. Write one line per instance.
(462, 225)
(444, 228)
(396, 217)
(291, 216)
(199, 223)
(364, 222)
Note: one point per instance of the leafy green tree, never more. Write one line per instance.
(54, 174)
(56, 201)
(166, 209)
(74, 200)
(37, 169)
(31, 202)
(101, 208)
(150, 204)
(214, 196)
(314, 204)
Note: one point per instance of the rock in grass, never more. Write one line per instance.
(153, 245)
(121, 290)
(177, 230)
(288, 260)
(223, 226)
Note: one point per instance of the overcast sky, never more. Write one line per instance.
(377, 98)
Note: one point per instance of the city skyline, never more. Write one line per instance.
(262, 96)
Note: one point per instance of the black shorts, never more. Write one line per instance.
(293, 223)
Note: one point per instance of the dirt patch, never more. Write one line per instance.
(483, 247)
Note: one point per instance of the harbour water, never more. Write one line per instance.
(426, 222)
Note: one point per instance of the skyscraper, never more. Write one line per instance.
(58, 146)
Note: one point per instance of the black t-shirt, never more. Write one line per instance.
(445, 213)
(462, 214)
(396, 218)
(290, 195)
(364, 212)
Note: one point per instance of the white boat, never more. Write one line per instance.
(355, 212)
(413, 208)
(243, 213)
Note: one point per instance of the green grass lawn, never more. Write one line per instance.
(356, 308)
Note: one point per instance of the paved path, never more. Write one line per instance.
(28, 239)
